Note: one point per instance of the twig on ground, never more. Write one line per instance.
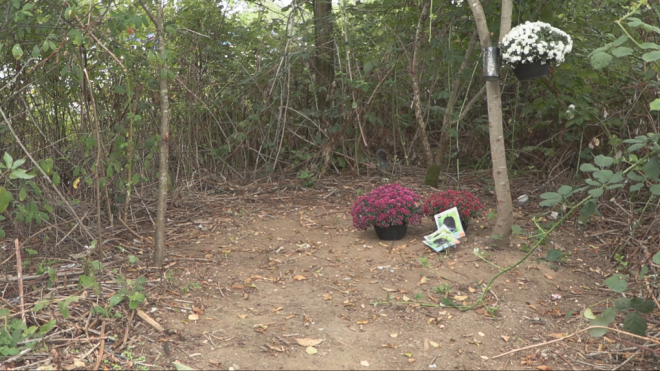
(150, 321)
(102, 349)
(573, 334)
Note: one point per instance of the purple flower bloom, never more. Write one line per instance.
(387, 205)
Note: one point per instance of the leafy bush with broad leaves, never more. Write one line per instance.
(640, 171)
(15, 336)
(16, 181)
(650, 51)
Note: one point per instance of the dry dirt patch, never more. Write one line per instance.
(290, 274)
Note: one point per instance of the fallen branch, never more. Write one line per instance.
(150, 321)
(576, 333)
(100, 357)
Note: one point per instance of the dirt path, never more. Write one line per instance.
(266, 276)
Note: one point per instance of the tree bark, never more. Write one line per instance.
(325, 72)
(454, 94)
(419, 115)
(324, 60)
(502, 230)
(161, 208)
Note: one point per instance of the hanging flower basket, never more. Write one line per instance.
(530, 71)
(533, 46)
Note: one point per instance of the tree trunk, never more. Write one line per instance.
(161, 208)
(419, 115)
(324, 59)
(325, 71)
(502, 230)
(453, 97)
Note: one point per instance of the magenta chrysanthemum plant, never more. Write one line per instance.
(386, 206)
(467, 204)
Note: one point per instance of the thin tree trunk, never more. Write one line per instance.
(502, 230)
(419, 115)
(325, 72)
(325, 67)
(454, 94)
(161, 208)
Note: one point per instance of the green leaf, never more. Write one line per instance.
(652, 168)
(622, 51)
(648, 57)
(656, 258)
(5, 198)
(603, 161)
(649, 46)
(47, 166)
(655, 105)
(592, 182)
(655, 189)
(603, 176)
(643, 272)
(516, 230)
(620, 41)
(634, 176)
(549, 202)
(588, 168)
(553, 255)
(641, 305)
(2, 233)
(47, 326)
(635, 323)
(17, 163)
(596, 192)
(8, 160)
(115, 299)
(22, 193)
(132, 259)
(600, 60)
(617, 283)
(565, 190)
(604, 320)
(636, 187)
(16, 51)
(622, 304)
(551, 196)
(36, 52)
(20, 174)
(63, 309)
(41, 304)
(634, 22)
(617, 177)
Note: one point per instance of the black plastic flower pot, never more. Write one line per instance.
(391, 233)
(531, 71)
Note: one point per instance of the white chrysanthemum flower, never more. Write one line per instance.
(535, 41)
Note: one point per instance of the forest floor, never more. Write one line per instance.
(274, 276)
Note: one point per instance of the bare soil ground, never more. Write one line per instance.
(274, 276)
(285, 268)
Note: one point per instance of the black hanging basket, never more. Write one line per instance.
(531, 71)
(391, 233)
